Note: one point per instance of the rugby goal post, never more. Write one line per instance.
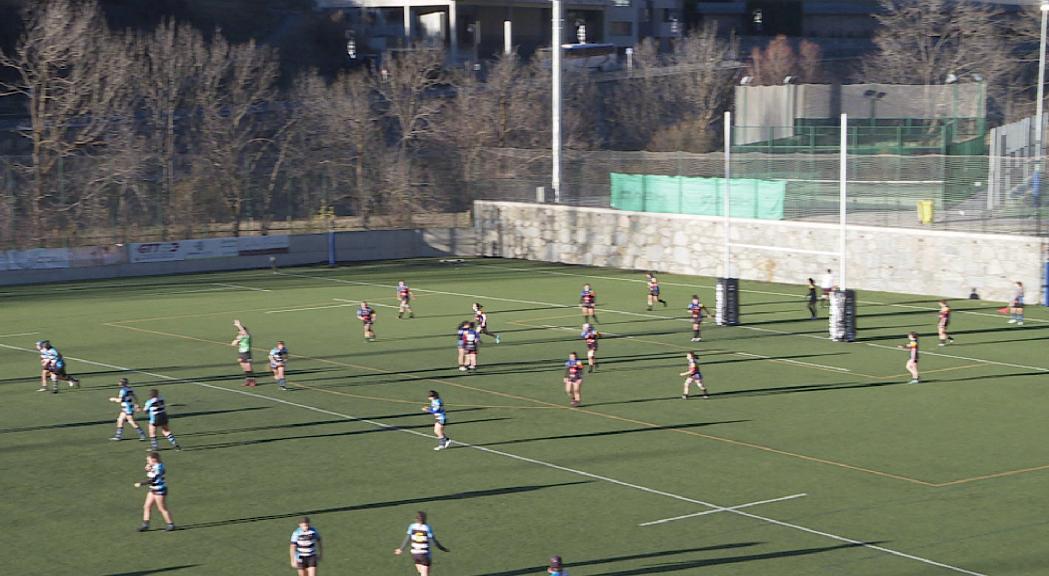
(842, 317)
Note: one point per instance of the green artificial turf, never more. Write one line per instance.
(944, 477)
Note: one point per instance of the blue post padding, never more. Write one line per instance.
(331, 248)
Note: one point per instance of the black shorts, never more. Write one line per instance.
(60, 371)
(160, 420)
(244, 357)
(591, 346)
(307, 561)
(421, 559)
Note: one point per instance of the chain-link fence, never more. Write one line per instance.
(882, 190)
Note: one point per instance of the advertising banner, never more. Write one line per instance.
(262, 245)
(35, 259)
(178, 250)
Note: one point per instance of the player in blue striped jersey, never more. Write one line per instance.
(158, 418)
(305, 548)
(126, 398)
(440, 418)
(54, 366)
(158, 492)
(278, 362)
(420, 536)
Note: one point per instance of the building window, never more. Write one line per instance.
(621, 28)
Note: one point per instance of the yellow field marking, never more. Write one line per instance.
(548, 405)
(992, 476)
(924, 372)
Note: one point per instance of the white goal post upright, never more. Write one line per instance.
(843, 302)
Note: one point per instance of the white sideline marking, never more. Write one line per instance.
(18, 334)
(308, 308)
(392, 428)
(728, 509)
(241, 287)
(219, 289)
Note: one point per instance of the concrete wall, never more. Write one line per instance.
(946, 264)
(304, 249)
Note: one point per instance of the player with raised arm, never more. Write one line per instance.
(590, 336)
(471, 342)
(158, 419)
(912, 360)
(243, 343)
(943, 323)
(128, 403)
(366, 314)
(691, 375)
(588, 304)
(481, 322)
(305, 548)
(55, 366)
(653, 291)
(420, 536)
(158, 492)
(574, 380)
(404, 296)
(696, 312)
(440, 418)
(278, 363)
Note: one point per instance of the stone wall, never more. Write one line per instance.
(912, 261)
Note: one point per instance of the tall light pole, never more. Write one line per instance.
(555, 78)
(1037, 179)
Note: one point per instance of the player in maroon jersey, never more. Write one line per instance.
(653, 291)
(696, 310)
(588, 303)
(693, 375)
(912, 360)
(366, 314)
(590, 335)
(574, 379)
(481, 322)
(404, 296)
(944, 322)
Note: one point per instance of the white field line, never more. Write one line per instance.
(540, 270)
(728, 509)
(542, 463)
(789, 361)
(18, 334)
(241, 287)
(308, 308)
(168, 292)
(370, 303)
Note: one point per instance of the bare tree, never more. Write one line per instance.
(74, 77)
(778, 60)
(239, 123)
(924, 41)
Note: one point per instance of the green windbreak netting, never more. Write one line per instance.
(750, 198)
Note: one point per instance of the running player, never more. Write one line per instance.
(588, 304)
(555, 568)
(366, 314)
(126, 398)
(696, 310)
(813, 298)
(460, 350)
(653, 291)
(440, 418)
(1016, 306)
(471, 342)
(574, 380)
(590, 335)
(404, 295)
(481, 320)
(55, 365)
(158, 418)
(693, 375)
(158, 492)
(305, 548)
(278, 362)
(420, 535)
(243, 343)
(945, 321)
(912, 360)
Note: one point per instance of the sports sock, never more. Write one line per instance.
(171, 439)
